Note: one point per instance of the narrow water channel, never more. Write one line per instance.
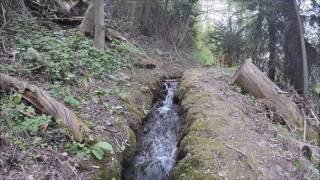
(156, 155)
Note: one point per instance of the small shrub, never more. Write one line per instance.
(72, 101)
(97, 150)
(205, 56)
(31, 125)
(23, 117)
(237, 88)
(298, 164)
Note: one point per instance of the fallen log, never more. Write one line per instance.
(48, 105)
(253, 81)
(67, 21)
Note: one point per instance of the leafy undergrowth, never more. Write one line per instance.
(65, 55)
(31, 128)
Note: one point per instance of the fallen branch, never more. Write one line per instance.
(304, 126)
(48, 105)
(76, 20)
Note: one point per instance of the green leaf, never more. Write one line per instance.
(99, 149)
(97, 153)
(17, 98)
(31, 125)
(72, 101)
(30, 110)
(104, 146)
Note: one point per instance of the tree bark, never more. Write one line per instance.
(303, 51)
(253, 81)
(272, 48)
(87, 24)
(294, 48)
(99, 36)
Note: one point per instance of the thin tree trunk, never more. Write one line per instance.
(272, 49)
(184, 33)
(87, 24)
(99, 36)
(303, 51)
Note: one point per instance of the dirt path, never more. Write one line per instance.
(227, 136)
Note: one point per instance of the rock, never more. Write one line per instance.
(111, 77)
(123, 76)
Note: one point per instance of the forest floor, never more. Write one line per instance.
(112, 92)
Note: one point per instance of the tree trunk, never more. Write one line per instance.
(87, 24)
(303, 51)
(99, 35)
(293, 48)
(272, 48)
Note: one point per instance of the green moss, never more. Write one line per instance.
(139, 103)
(186, 172)
(130, 146)
(109, 170)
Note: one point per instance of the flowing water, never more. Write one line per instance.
(156, 155)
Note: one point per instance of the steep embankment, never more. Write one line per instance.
(228, 136)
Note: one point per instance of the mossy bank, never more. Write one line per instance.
(225, 138)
